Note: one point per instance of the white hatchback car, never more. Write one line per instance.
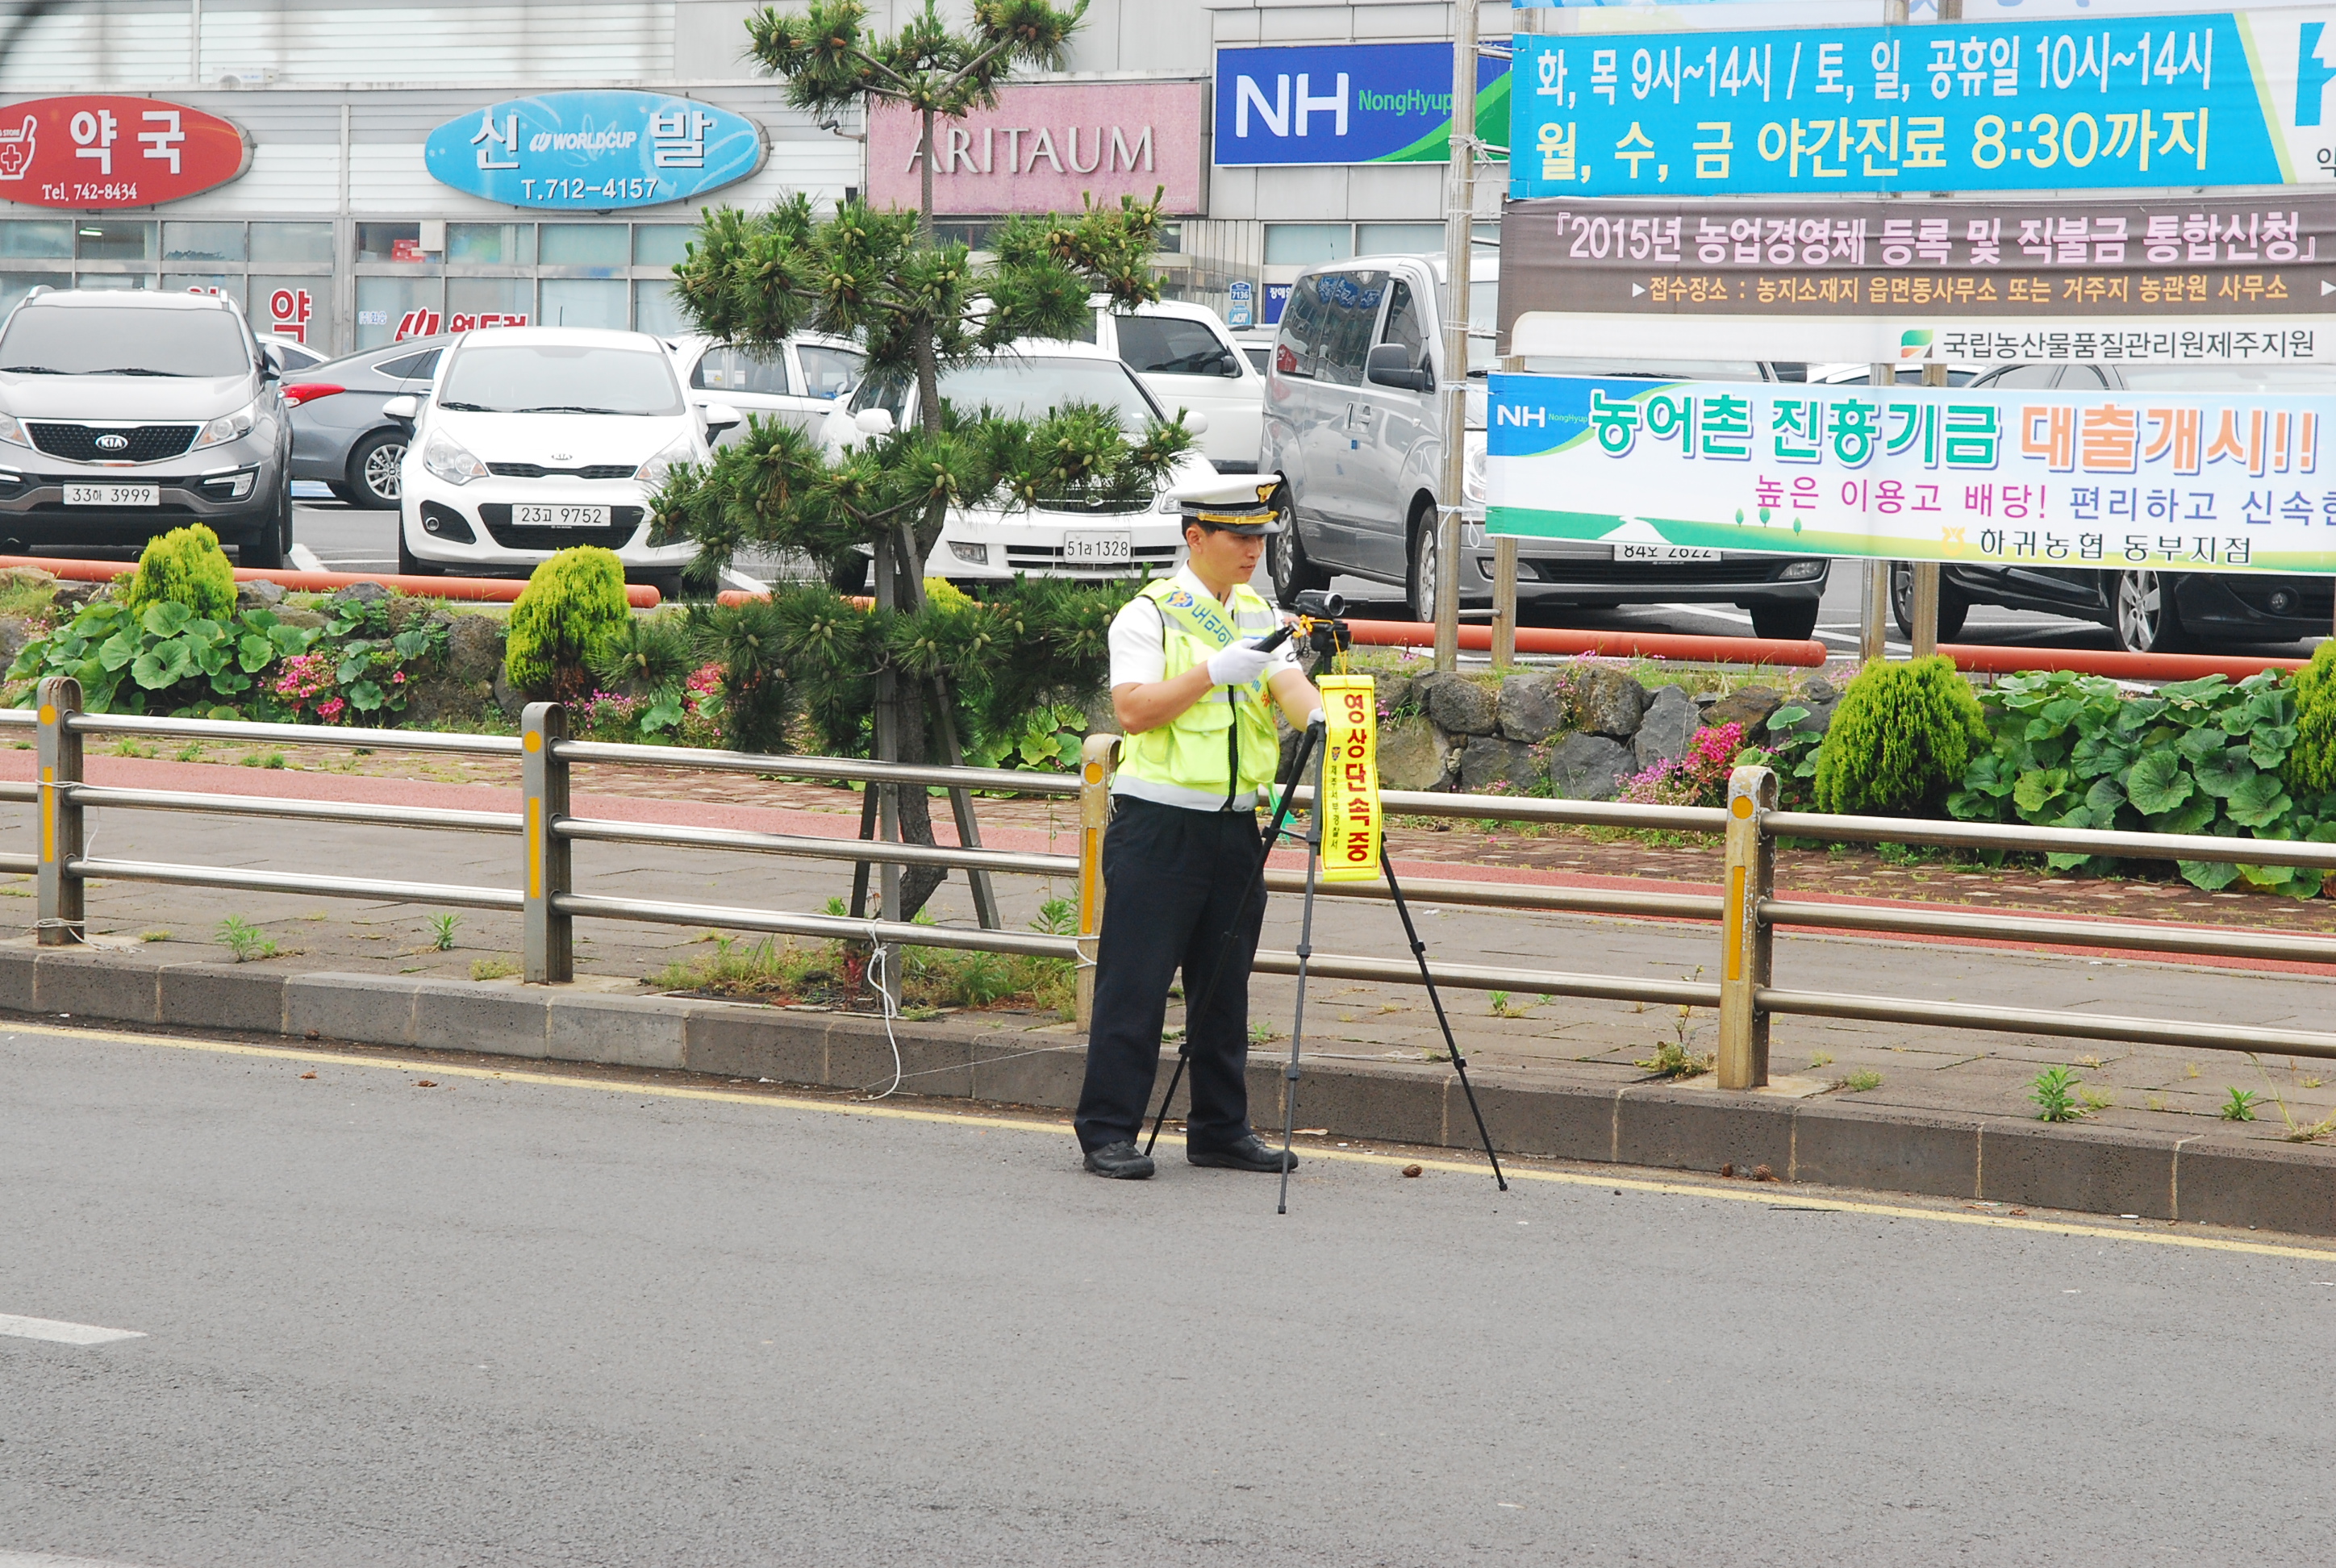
(796, 381)
(993, 545)
(537, 438)
(1190, 360)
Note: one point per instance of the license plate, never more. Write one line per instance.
(560, 516)
(113, 495)
(1097, 548)
(1663, 552)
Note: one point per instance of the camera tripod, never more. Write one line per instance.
(1311, 746)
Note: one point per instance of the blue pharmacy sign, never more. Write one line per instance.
(594, 150)
(2090, 102)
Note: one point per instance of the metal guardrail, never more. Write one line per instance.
(1744, 907)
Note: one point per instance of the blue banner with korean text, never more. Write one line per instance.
(2130, 102)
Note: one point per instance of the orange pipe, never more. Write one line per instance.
(731, 598)
(483, 590)
(2147, 666)
(1610, 643)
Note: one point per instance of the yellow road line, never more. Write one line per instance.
(1733, 1194)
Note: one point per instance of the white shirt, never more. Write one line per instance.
(1139, 657)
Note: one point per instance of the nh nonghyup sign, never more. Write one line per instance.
(594, 150)
(1348, 104)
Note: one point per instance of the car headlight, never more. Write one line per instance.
(13, 432)
(1471, 476)
(652, 474)
(451, 461)
(228, 427)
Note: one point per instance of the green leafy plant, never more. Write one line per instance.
(442, 931)
(649, 659)
(245, 940)
(185, 566)
(492, 969)
(573, 606)
(165, 658)
(2311, 761)
(1047, 738)
(375, 662)
(1859, 1082)
(1902, 738)
(2240, 1106)
(1057, 918)
(1790, 750)
(2206, 756)
(2054, 1092)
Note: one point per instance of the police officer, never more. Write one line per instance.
(1182, 860)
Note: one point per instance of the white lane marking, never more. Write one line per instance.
(42, 1560)
(305, 558)
(62, 1334)
(1713, 612)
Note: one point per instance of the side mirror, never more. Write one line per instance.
(404, 410)
(1195, 422)
(873, 421)
(721, 416)
(271, 365)
(1390, 364)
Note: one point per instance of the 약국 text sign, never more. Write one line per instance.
(2188, 482)
(2102, 101)
(2192, 279)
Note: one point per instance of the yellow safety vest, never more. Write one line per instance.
(1194, 750)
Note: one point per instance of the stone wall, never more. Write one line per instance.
(1578, 733)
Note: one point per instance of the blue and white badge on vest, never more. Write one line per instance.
(594, 150)
(1203, 620)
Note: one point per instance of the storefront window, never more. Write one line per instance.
(389, 242)
(114, 281)
(471, 302)
(491, 244)
(661, 244)
(1304, 244)
(42, 239)
(584, 245)
(584, 302)
(1398, 239)
(290, 244)
(202, 242)
(228, 285)
(390, 309)
(14, 285)
(655, 308)
(297, 308)
(113, 239)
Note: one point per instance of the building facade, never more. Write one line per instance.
(343, 228)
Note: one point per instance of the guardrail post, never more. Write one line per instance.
(1748, 876)
(1096, 758)
(59, 759)
(550, 942)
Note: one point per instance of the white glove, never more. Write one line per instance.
(1314, 718)
(1238, 663)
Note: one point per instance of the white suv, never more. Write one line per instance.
(1189, 360)
(1058, 539)
(537, 438)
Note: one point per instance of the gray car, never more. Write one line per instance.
(339, 434)
(125, 414)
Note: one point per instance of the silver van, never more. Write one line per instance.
(1355, 428)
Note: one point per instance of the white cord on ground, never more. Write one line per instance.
(892, 1007)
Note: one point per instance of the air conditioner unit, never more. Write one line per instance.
(238, 78)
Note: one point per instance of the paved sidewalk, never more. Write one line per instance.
(1549, 1040)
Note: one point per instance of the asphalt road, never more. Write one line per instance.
(510, 1320)
(348, 540)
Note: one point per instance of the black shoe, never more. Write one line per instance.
(1121, 1161)
(1249, 1155)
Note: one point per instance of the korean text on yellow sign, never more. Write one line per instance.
(1350, 779)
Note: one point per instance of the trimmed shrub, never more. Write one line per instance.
(185, 566)
(2311, 761)
(1902, 737)
(572, 605)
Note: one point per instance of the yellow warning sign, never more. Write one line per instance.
(1350, 779)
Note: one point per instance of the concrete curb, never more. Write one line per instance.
(1835, 1143)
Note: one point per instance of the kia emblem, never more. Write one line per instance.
(112, 442)
(562, 457)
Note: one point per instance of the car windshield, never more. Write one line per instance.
(1025, 387)
(2275, 378)
(123, 340)
(559, 378)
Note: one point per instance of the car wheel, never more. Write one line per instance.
(266, 550)
(2147, 620)
(1419, 583)
(1285, 558)
(343, 493)
(372, 469)
(1784, 620)
(1953, 607)
(409, 564)
(850, 575)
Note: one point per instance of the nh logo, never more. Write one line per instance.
(1275, 114)
(2311, 77)
(1509, 414)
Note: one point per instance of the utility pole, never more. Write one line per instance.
(1459, 226)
